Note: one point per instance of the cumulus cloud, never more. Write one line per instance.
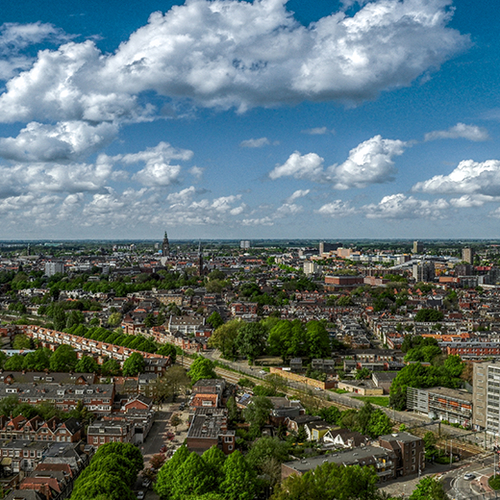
(158, 170)
(182, 197)
(460, 131)
(61, 142)
(371, 162)
(229, 53)
(15, 37)
(255, 143)
(469, 177)
(400, 206)
(309, 166)
(337, 208)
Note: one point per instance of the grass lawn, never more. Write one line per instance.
(375, 400)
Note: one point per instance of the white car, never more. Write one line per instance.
(469, 476)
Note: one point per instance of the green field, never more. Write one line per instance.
(374, 400)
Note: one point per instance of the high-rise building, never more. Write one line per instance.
(327, 247)
(245, 244)
(165, 247)
(418, 247)
(53, 267)
(486, 397)
(468, 255)
(424, 271)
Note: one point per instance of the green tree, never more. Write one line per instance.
(428, 487)
(114, 319)
(331, 482)
(14, 363)
(251, 340)
(201, 368)
(127, 450)
(168, 350)
(86, 364)
(110, 367)
(214, 461)
(37, 361)
(64, 359)
(379, 424)
(429, 315)
(166, 474)
(102, 485)
(240, 481)
(257, 412)
(266, 456)
(133, 365)
(22, 341)
(224, 338)
(318, 340)
(74, 318)
(192, 478)
(215, 320)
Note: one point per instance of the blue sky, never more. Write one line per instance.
(265, 119)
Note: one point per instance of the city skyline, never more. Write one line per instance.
(249, 120)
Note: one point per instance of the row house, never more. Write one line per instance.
(471, 350)
(102, 432)
(38, 430)
(101, 350)
(97, 398)
(240, 309)
(210, 393)
(21, 454)
(185, 324)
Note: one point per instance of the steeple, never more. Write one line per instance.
(165, 247)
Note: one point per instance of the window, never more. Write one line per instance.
(230, 447)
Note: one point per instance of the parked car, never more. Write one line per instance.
(140, 495)
(182, 406)
(163, 448)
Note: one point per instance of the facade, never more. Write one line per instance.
(468, 255)
(424, 271)
(53, 267)
(103, 432)
(418, 247)
(486, 390)
(442, 403)
(409, 450)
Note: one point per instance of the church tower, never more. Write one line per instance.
(165, 247)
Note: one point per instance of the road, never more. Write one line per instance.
(459, 488)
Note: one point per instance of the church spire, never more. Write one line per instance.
(165, 247)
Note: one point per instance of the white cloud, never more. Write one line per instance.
(337, 208)
(262, 221)
(16, 37)
(255, 143)
(316, 131)
(460, 131)
(158, 170)
(468, 201)
(230, 53)
(469, 177)
(61, 142)
(288, 209)
(300, 193)
(371, 162)
(196, 172)
(400, 206)
(182, 197)
(309, 166)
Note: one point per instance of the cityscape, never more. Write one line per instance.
(249, 250)
(274, 360)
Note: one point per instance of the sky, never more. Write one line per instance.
(265, 119)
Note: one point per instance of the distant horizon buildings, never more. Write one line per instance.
(245, 244)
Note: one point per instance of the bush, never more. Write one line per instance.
(494, 482)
